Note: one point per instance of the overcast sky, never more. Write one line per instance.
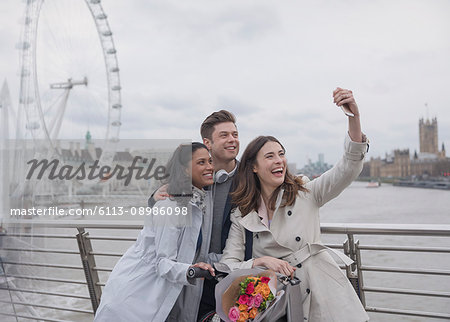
(274, 64)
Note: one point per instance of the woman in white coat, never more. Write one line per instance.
(282, 212)
(149, 283)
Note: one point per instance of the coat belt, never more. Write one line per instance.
(313, 249)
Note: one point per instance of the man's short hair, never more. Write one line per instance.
(222, 116)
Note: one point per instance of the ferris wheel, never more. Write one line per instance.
(69, 77)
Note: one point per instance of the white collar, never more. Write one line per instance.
(231, 173)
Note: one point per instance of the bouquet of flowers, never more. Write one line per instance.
(246, 295)
(254, 295)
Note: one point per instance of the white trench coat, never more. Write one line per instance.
(149, 282)
(327, 294)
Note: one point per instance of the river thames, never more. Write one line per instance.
(397, 205)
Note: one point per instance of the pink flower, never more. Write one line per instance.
(251, 302)
(257, 300)
(243, 299)
(234, 313)
(250, 288)
(265, 279)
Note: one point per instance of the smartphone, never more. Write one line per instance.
(346, 111)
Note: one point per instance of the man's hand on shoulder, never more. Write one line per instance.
(161, 193)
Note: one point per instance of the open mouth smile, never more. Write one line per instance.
(208, 175)
(278, 172)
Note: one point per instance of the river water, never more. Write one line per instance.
(397, 205)
(357, 204)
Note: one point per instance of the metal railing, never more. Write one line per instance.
(353, 249)
(86, 290)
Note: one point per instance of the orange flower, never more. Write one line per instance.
(264, 290)
(243, 307)
(252, 313)
(257, 289)
(243, 316)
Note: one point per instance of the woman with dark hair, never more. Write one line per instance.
(282, 213)
(150, 283)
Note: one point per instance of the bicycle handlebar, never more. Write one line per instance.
(197, 272)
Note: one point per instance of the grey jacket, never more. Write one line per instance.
(149, 282)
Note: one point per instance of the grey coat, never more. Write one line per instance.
(149, 282)
(327, 293)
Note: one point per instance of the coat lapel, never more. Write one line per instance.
(253, 223)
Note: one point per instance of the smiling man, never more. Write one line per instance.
(220, 135)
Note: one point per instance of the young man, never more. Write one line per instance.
(220, 135)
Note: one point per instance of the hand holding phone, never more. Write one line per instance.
(343, 98)
(346, 111)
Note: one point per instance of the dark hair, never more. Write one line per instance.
(247, 194)
(222, 116)
(179, 180)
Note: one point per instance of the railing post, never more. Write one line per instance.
(362, 296)
(354, 272)
(88, 261)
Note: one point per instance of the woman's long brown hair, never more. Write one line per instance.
(247, 194)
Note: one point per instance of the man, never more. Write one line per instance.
(220, 135)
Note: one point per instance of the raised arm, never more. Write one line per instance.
(334, 181)
(344, 97)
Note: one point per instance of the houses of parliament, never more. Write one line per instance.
(430, 161)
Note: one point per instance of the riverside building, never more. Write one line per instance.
(429, 162)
